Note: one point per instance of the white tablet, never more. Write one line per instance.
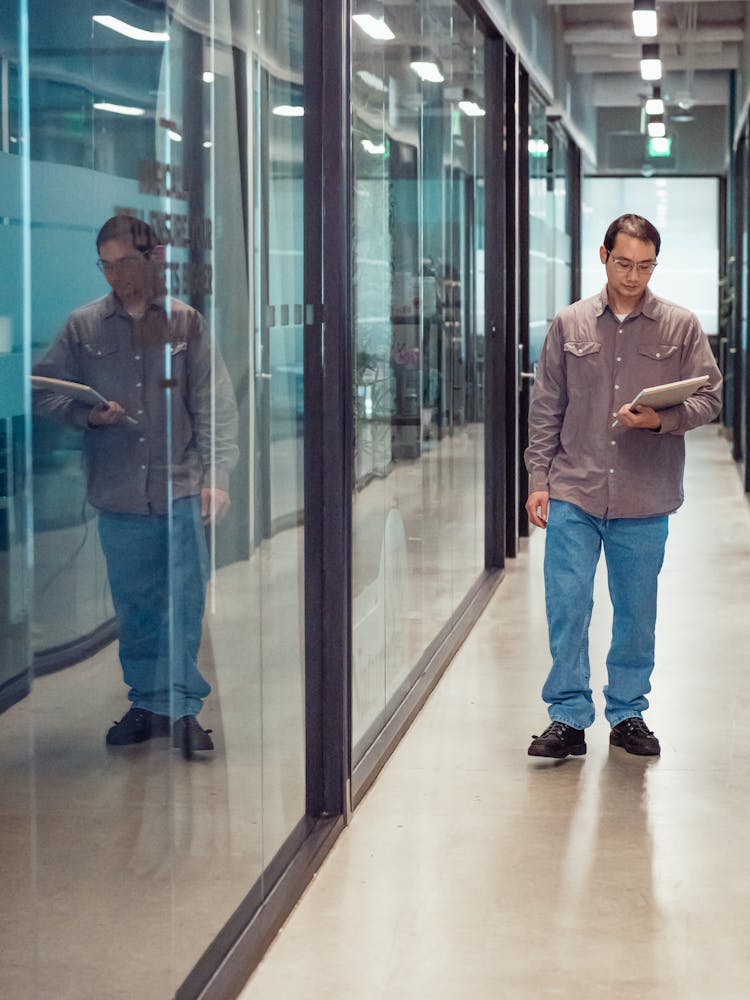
(659, 397)
(74, 390)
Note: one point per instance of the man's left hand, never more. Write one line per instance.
(214, 504)
(643, 416)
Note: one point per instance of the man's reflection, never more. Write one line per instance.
(158, 458)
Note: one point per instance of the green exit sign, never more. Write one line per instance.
(660, 146)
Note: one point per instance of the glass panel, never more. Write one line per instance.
(540, 159)
(688, 270)
(549, 241)
(278, 187)
(14, 426)
(167, 119)
(418, 226)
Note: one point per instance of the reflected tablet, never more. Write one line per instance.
(659, 397)
(74, 390)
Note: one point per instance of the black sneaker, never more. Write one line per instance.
(136, 726)
(634, 736)
(558, 740)
(188, 735)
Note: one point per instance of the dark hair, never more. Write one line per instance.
(633, 225)
(123, 227)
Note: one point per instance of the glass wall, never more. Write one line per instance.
(417, 292)
(159, 770)
(123, 860)
(688, 270)
(15, 430)
(550, 244)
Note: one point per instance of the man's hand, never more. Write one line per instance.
(214, 504)
(643, 417)
(106, 414)
(537, 507)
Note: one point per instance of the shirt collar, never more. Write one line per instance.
(648, 304)
(113, 306)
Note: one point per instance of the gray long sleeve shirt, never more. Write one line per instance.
(145, 364)
(591, 364)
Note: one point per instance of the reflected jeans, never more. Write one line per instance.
(158, 571)
(634, 552)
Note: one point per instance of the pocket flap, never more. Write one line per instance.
(582, 347)
(657, 352)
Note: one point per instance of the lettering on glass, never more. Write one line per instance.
(179, 230)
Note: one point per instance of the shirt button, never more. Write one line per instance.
(611, 442)
(610, 471)
(139, 412)
(143, 439)
(137, 357)
(619, 359)
(143, 467)
(617, 387)
(620, 330)
(139, 384)
(658, 354)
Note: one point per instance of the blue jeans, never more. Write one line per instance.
(158, 571)
(634, 551)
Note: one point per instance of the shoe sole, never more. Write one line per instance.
(138, 739)
(577, 750)
(187, 747)
(615, 742)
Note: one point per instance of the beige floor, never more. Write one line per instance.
(471, 871)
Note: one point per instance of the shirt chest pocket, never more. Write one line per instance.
(99, 349)
(659, 362)
(102, 366)
(583, 363)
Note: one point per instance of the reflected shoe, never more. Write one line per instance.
(137, 726)
(558, 740)
(188, 735)
(634, 736)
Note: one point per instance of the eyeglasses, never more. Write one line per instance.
(108, 266)
(623, 265)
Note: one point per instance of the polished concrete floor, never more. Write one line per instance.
(472, 871)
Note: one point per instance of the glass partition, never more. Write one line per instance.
(126, 854)
(688, 270)
(550, 245)
(417, 291)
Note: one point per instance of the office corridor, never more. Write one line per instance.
(472, 871)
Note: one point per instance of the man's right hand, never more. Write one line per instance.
(105, 414)
(537, 507)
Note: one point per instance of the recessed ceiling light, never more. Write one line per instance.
(119, 109)
(375, 27)
(644, 18)
(130, 30)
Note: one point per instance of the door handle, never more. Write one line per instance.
(529, 376)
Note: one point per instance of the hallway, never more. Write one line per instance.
(472, 871)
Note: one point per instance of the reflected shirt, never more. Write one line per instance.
(160, 369)
(591, 364)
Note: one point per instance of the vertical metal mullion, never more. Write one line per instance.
(573, 201)
(524, 360)
(739, 296)
(511, 304)
(495, 388)
(328, 408)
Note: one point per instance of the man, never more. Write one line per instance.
(602, 474)
(158, 457)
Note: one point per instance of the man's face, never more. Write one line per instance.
(126, 269)
(628, 267)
